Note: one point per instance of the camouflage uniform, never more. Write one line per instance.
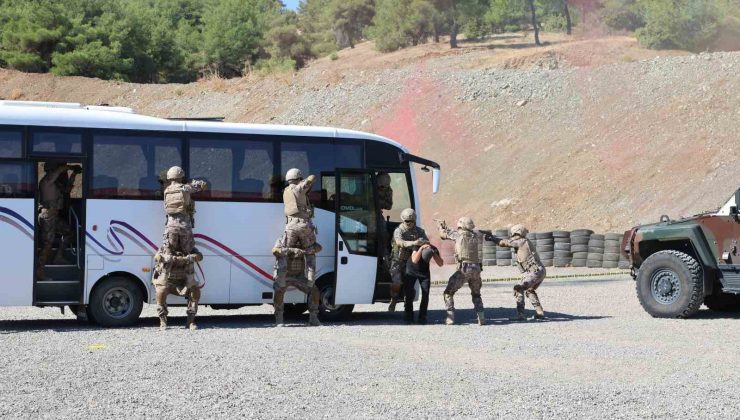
(180, 209)
(404, 239)
(385, 202)
(174, 273)
(533, 273)
(299, 229)
(290, 271)
(468, 269)
(53, 187)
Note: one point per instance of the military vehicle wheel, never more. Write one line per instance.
(670, 284)
(115, 302)
(723, 302)
(327, 310)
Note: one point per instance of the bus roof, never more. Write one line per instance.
(65, 114)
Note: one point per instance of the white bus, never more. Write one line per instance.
(116, 211)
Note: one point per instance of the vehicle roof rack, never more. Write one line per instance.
(211, 119)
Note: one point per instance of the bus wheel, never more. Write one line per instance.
(329, 311)
(116, 302)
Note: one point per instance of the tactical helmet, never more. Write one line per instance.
(466, 223)
(175, 172)
(408, 215)
(519, 230)
(384, 180)
(294, 175)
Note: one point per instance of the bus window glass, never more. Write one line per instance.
(16, 180)
(357, 216)
(348, 155)
(383, 155)
(57, 142)
(234, 169)
(132, 166)
(401, 196)
(11, 145)
(311, 157)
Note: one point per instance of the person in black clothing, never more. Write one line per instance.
(417, 269)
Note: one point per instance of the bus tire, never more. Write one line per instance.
(115, 302)
(328, 311)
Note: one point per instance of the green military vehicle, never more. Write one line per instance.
(680, 264)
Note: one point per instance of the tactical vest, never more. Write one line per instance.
(528, 259)
(296, 203)
(177, 201)
(466, 247)
(403, 254)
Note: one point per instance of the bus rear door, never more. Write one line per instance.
(356, 237)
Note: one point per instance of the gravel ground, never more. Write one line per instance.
(598, 356)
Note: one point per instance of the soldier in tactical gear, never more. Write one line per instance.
(531, 267)
(180, 209)
(54, 189)
(299, 228)
(405, 237)
(385, 202)
(290, 271)
(469, 267)
(174, 274)
(175, 269)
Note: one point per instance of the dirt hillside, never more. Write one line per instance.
(596, 133)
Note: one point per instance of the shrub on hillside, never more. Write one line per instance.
(679, 24)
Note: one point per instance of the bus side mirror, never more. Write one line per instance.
(435, 181)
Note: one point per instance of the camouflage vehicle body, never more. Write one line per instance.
(678, 265)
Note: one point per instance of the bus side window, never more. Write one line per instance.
(16, 180)
(11, 144)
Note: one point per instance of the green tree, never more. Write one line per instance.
(679, 24)
(350, 18)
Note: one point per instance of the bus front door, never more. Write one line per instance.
(356, 237)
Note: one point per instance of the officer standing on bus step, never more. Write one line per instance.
(406, 236)
(385, 202)
(52, 207)
(299, 228)
(290, 271)
(468, 271)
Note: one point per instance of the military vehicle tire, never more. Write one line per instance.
(115, 302)
(723, 302)
(670, 284)
(328, 311)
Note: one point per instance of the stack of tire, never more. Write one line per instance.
(503, 254)
(596, 251)
(624, 263)
(562, 256)
(545, 247)
(447, 251)
(488, 253)
(612, 243)
(579, 239)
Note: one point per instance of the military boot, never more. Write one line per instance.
(450, 318)
(392, 306)
(481, 318)
(539, 312)
(313, 320)
(279, 319)
(162, 322)
(190, 323)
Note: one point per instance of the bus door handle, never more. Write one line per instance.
(343, 260)
(341, 245)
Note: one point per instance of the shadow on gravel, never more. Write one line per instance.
(710, 314)
(494, 316)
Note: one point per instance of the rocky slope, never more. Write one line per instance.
(595, 133)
